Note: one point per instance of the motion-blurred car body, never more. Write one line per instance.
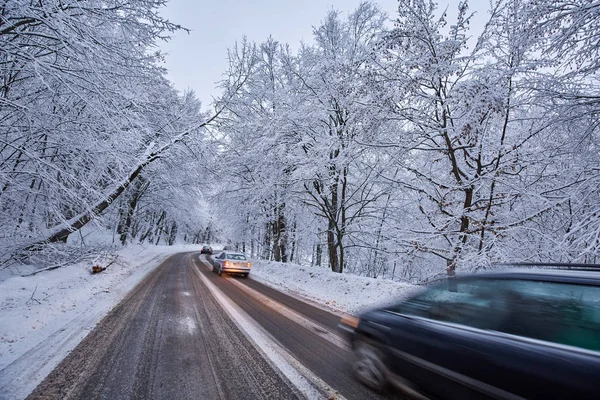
(509, 335)
(231, 263)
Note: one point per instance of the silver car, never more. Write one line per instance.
(231, 263)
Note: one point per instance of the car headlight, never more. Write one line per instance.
(350, 320)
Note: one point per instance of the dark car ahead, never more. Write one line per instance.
(206, 250)
(510, 335)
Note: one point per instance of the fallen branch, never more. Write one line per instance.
(44, 269)
(31, 299)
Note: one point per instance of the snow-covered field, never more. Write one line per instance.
(43, 317)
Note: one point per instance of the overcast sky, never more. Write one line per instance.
(197, 60)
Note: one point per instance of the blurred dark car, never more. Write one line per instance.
(206, 250)
(509, 335)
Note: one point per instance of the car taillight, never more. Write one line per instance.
(248, 265)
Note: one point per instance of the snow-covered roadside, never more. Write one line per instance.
(338, 292)
(43, 317)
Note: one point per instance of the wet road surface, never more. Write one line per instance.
(170, 338)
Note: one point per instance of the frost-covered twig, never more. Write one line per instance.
(31, 299)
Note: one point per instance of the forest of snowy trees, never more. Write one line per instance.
(404, 146)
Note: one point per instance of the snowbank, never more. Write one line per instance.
(338, 292)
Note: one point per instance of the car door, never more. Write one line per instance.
(219, 260)
(550, 339)
(434, 348)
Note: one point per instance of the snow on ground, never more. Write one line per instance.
(44, 316)
(339, 292)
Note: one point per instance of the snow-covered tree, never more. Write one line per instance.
(84, 109)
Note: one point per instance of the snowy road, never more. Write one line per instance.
(186, 333)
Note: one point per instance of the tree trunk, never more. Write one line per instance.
(342, 232)
(282, 233)
(172, 234)
(332, 243)
(159, 226)
(293, 250)
(332, 248)
(279, 234)
(341, 254)
(132, 205)
(267, 254)
(319, 254)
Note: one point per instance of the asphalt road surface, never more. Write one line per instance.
(186, 333)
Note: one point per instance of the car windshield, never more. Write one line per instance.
(236, 256)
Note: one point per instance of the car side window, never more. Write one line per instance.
(565, 313)
(472, 304)
(559, 312)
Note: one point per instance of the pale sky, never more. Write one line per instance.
(197, 60)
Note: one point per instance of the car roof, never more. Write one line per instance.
(233, 253)
(591, 277)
